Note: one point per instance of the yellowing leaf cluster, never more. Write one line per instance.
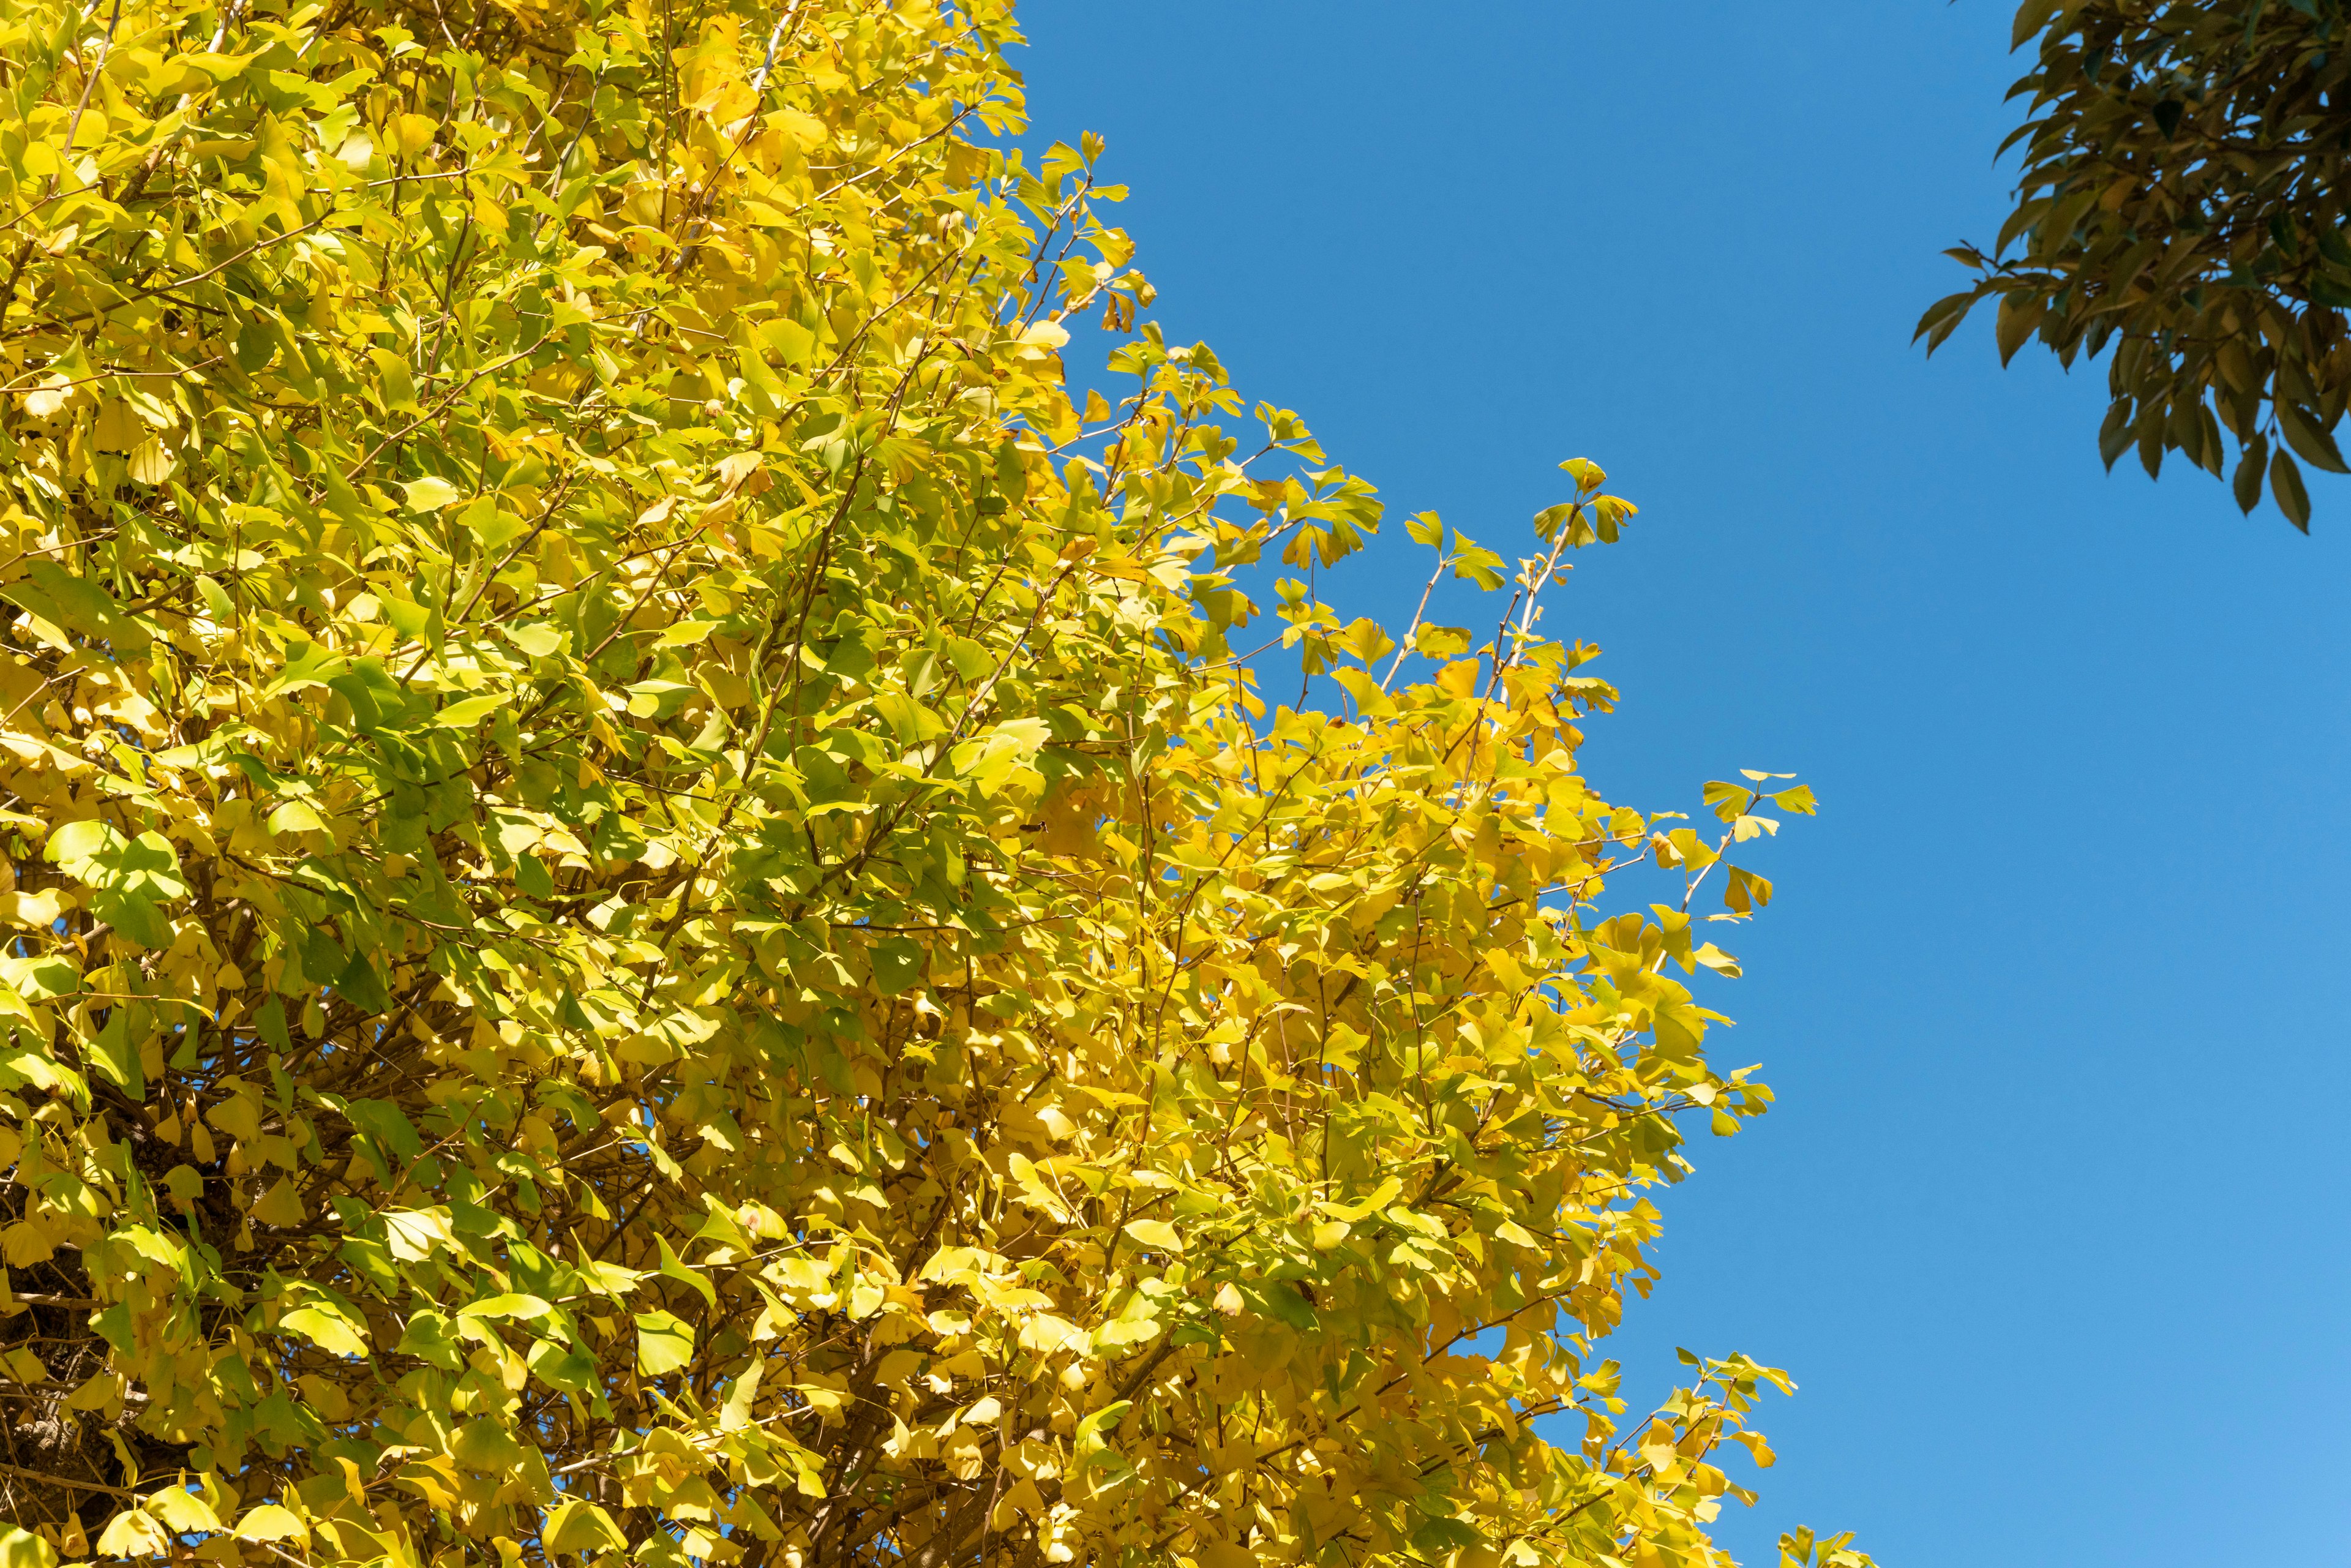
(651, 914)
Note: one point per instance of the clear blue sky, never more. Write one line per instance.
(2051, 1222)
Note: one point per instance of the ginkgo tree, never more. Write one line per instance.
(652, 910)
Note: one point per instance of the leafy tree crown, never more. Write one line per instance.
(653, 912)
(2182, 202)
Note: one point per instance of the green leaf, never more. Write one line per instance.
(2285, 484)
(432, 1338)
(87, 607)
(1474, 563)
(307, 664)
(412, 620)
(2247, 484)
(2309, 440)
(2019, 315)
(372, 1261)
(792, 340)
(566, 1371)
(2116, 435)
(2031, 17)
(135, 914)
(673, 1267)
(485, 1445)
(897, 964)
(2326, 290)
(540, 640)
(1436, 1538)
(42, 978)
(909, 720)
(467, 712)
(1281, 1301)
(390, 1126)
(359, 984)
(114, 1055)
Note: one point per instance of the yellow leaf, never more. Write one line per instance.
(24, 1244)
(118, 428)
(131, 1534)
(296, 817)
(330, 1328)
(415, 132)
(95, 1395)
(1157, 1234)
(665, 1343)
(415, 1234)
(271, 1522)
(281, 1206)
(37, 910)
(152, 463)
(182, 1509)
(20, 1548)
(578, 1525)
(431, 493)
(1044, 1332)
(684, 635)
(238, 1115)
(793, 342)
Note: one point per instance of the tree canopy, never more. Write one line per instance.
(652, 910)
(2182, 201)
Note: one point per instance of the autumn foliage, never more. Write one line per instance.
(653, 911)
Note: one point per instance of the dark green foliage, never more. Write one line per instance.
(2182, 203)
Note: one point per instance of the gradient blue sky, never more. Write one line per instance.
(2050, 1223)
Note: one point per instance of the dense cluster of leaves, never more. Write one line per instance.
(2184, 199)
(650, 914)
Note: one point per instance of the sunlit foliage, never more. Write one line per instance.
(653, 911)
